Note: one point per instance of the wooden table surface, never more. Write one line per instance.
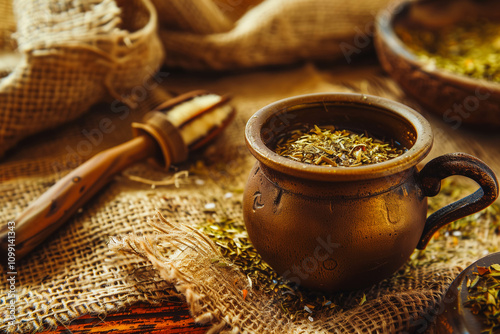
(174, 317)
(170, 317)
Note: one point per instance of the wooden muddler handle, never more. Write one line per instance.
(167, 134)
(46, 214)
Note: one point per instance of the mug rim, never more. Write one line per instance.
(419, 150)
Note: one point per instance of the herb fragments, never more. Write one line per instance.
(469, 48)
(327, 146)
(232, 239)
(484, 296)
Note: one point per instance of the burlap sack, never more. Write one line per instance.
(71, 55)
(269, 32)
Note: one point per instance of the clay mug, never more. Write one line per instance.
(345, 228)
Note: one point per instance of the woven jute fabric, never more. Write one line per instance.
(116, 251)
(75, 272)
(71, 55)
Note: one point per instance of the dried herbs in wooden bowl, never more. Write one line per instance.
(445, 54)
(484, 296)
(472, 303)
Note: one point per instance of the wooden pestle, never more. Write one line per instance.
(180, 125)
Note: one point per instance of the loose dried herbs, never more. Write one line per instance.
(468, 48)
(234, 243)
(484, 296)
(443, 246)
(327, 146)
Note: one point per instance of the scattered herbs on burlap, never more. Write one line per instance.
(297, 303)
(445, 240)
(466, 227)
(328, 146)
(232, 238)
(484, 296)
(467, 48)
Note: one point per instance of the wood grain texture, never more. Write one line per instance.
(169, 317)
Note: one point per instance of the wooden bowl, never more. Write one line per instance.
(459, 99)
(454, 317)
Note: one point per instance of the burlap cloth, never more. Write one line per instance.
(109, 256)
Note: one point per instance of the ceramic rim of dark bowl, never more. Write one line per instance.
(385, 31)
(416, 153)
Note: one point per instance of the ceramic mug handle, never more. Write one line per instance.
(429, 179)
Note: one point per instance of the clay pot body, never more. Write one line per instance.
(344, 228)
(330, 232)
